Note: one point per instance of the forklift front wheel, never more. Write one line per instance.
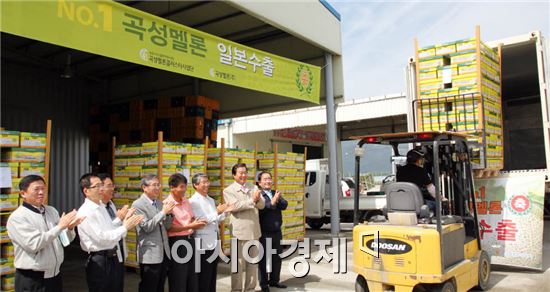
(448, 286)
(484, 271)
(361, 284)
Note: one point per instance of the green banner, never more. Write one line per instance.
(117, 31)
(510, 208)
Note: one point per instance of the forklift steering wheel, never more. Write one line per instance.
(388, 178)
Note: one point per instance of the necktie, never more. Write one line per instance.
(110, 211)
(112, 215)
(269, 194)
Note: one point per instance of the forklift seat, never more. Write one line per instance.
(405, 197)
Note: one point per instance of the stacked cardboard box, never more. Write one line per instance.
(288, 169)
(459, 89)
(23, 153)
(220, 177)
(133, 161)
(181, 119)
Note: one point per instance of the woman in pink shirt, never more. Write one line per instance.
(182, 276)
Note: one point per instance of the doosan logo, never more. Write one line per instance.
(389, 246)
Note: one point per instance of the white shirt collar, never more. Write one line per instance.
(148, 199)
(92, 204)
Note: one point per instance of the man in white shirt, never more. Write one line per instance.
(38, 236)
(107, 191)
(99, 237)
(205, 208)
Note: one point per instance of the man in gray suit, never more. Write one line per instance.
(153, 248)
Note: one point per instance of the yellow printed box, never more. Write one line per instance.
(7, 250)
(489, 52)
(431, 84)
(33, 139)
(193, 159)
(26, 168)
(9, 201)
(24, 155)
(445, 49)
(463, 57)
(426, 74)
(128, 150)
(135, 161)
(8, 282)
(428, 94)
(14, 167)
(197, 149)
(119, 203)
(465, 80)
(465, 44)
(431, 62)
(152, 147)
(134, 182)
(442, 71)
(9, 138)
(121, 182)
(447, 92)
(266, 155)
(426, 52)
(467, 68)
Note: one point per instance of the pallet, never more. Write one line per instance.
(486, 173)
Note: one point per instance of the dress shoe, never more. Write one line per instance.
(265, 289)
(278, 285)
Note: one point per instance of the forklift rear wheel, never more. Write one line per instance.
(484, 271)
(448, 286)
(361, 284)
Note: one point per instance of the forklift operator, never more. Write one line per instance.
(415, 173)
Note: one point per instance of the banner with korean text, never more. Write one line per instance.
(117, 31)
(511, 213)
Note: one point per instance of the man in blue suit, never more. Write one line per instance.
(271, 220)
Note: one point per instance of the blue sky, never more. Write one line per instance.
(377, 37)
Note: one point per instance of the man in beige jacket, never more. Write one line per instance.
(245, 225)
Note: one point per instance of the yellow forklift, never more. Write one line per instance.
(413, 248)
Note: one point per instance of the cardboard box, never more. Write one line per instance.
(426, 74)
(463, 57)
(165, 112)
(24, 155)
(426, 52)
(9, 138)
(465, 80)
(196, 101)
(32, 139)
(431, 84)
(164, 102)
(26, 168)
(149, 114)
(445, 49)
(431, 62)
(466, 44)
(14, 168)
(193, 122)
(9, 201)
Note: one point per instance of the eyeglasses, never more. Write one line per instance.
(154, 185)
(108, 186)
(96, 186)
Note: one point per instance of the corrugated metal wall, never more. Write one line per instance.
(30, 96)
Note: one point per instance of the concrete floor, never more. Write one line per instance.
(321, 276)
